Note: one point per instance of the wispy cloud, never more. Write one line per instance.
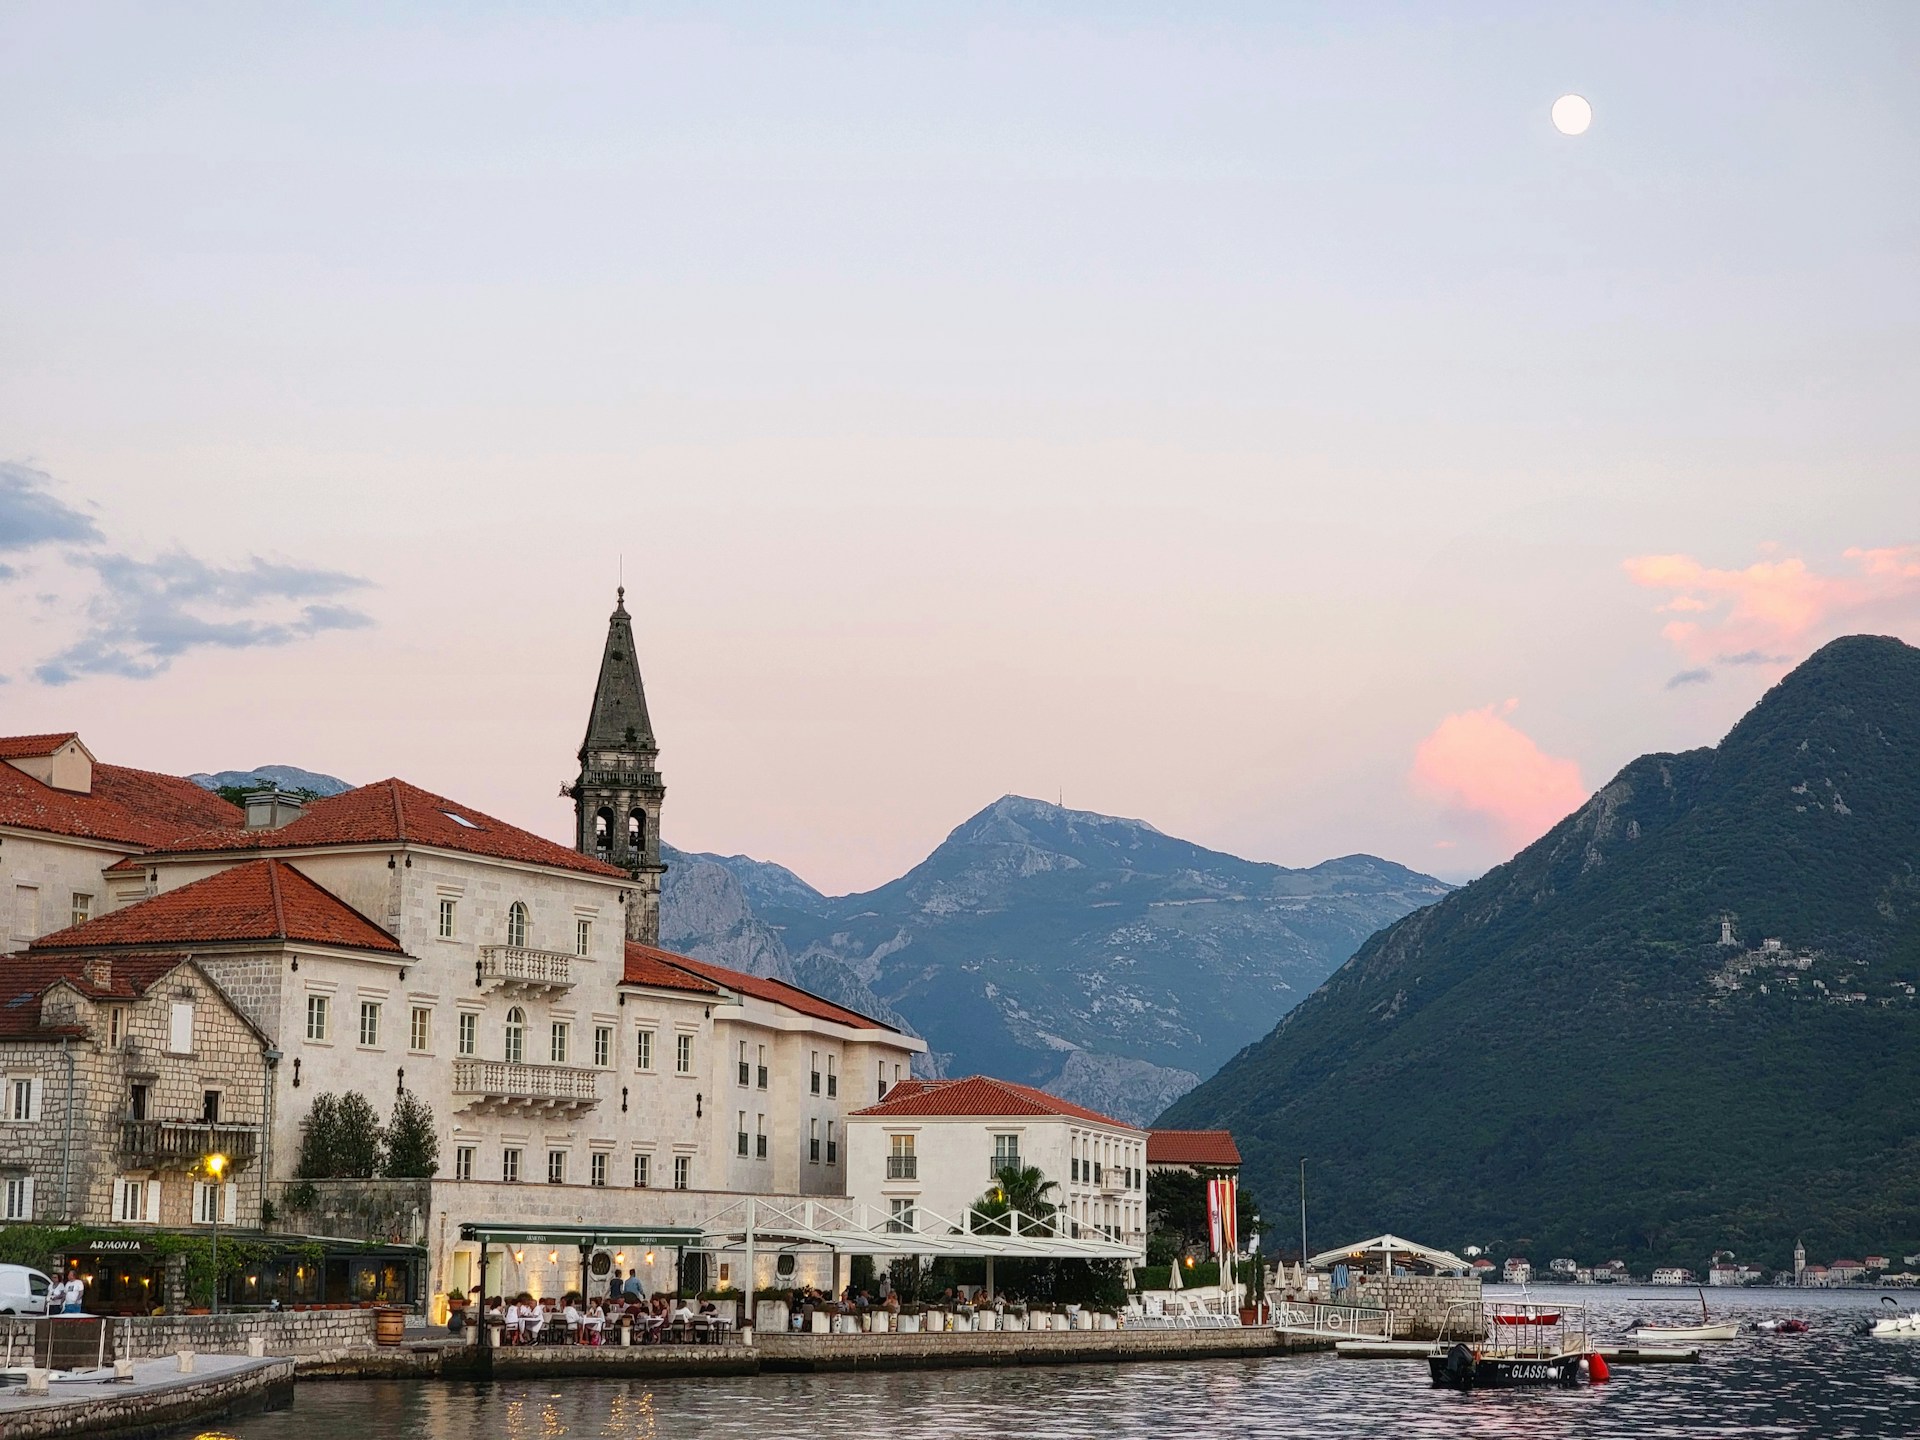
(1690, 677)
(1481, 764)
(32, 515)
(148, 613)
(1772, 610)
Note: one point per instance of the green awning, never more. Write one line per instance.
(594, 1237)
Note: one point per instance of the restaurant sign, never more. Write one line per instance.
(116, 1246)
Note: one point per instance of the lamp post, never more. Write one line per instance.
(216, 1166)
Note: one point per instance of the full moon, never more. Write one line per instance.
(1572, 115)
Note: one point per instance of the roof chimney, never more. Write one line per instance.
(271, 809)
(99, 972)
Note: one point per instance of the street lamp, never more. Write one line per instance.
(216, 1166)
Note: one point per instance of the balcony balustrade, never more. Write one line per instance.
(1001, 1162)
(500, 1087)
(903, 1167)
(167, 1144)
(516, 968)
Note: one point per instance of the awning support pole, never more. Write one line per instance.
(746, 1281)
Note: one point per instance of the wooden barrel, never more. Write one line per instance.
(389, 1324)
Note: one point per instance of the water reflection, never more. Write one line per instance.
(1828, 1382)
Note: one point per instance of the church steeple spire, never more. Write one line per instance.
(619, 793)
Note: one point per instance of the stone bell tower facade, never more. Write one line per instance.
(618, 795)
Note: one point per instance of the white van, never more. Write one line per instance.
(23, 1290)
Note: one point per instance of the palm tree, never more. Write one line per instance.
(1022, 1188)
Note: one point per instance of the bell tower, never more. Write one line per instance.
(618, 795)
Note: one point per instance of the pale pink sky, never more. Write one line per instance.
(1270, 428)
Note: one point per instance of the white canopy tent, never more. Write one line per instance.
(1387, 1250)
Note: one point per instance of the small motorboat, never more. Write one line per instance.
(1786, 1326)
(1517, 1344)
(1647, 1333)
(1895, 1323)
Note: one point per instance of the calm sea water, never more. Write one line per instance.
(1830, 1382)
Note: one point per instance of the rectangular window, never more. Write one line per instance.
(446, 918)
(369, 1022)
(683, 1056)
(510, 1165)
(206, 1202)
(642, 1171)
(469, 1040)
(760, 1137)
(20, 1199)
(582, 936)
(21, 1098)
(833, 1146)
(180, 1028)
(317, 1007)
(209, 1107)
(129, 1196)
(682, 1171)
(902, 1164)
(741, 1134)
(420, 1030)
(463, 1162)
(82, 908)
(763, 1067)
(833, 1079)
(746, 1066)
(137, 1103)
(556, 1167)
(597, 1168)
(116, 1026)
(813, 1142)
(643, 1049)
(558, 1046)
(813, 1083)
(603, 1045)
(880, 1075)
(900, 1218)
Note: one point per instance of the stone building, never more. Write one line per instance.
(389, 938)
(1192, 1152)
(121, 1073)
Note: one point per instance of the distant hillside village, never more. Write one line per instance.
(401, 1051)
(1872, 1270)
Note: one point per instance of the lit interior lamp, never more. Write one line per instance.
(619, 1257)
(649, 1257)
(553, 1257)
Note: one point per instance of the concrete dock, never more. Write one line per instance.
(158, 1398)
(1420, 1349)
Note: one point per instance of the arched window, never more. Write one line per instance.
(516, 1035)
(603, 832)
(517, 925)
(637, 832)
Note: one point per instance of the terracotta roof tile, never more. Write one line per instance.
(648, 966)
(33, 747)
(777, 991)
(259, 900)
(25, 978)
(1192, 1147)
(126, 807)
(981, 1095)
(392, 812)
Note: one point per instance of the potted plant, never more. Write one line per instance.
(456, 1299)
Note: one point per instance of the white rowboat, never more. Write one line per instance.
(1668, 1334)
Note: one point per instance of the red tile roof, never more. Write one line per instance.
(33, 747)
(392, 812)
(25, 978)
(980, 1095)
(260, 900)
(1192, 1147)
(126, 807)
(777, 991)
(658, 968)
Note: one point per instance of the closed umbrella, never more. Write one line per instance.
(1173, 1279)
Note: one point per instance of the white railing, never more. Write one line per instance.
(501, 1080)
(1345, 1322)
(517, 965)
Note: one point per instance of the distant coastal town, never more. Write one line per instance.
(1876, 1271)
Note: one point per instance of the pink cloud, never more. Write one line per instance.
(1773, 605)
(1480, 763)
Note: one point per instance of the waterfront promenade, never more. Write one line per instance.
(155, 1399)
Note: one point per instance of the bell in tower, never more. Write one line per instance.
(617, 798)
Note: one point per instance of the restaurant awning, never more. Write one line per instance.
(1388, 1249)
(592, 1237)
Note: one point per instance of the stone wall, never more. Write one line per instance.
(193, 1401)
(1421, 1304)
(1015, 1347)
(308, 1334)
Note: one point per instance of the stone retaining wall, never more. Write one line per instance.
(264, 1385)
(308, 1334)
(1012, 1347)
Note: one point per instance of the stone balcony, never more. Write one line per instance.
(498, 1087)
(179, 1144)
(515, 969)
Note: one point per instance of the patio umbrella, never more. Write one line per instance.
(1173, 1277)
